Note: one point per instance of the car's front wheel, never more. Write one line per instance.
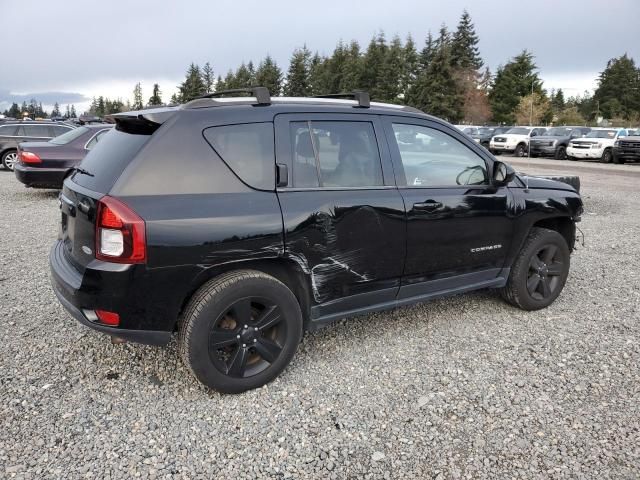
(520, 150)
(240, 331)
(561, 153)
(9, 159)
(606, 156)
(539, 273)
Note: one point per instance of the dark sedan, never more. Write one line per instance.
(46, 164)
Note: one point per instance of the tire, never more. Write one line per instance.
(9, 159)
(245, 358)
(606, 156)
(520, 150)
(496, 152)
(561, 153)
(531, 284)
(617, 160)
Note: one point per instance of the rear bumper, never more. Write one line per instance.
(76, 293)
(40, 177)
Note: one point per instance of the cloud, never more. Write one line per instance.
(46, 98)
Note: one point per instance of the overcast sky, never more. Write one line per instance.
(71, 50)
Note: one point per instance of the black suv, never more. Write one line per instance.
(627, 148)
(242, 222)
(11, 134)
(554, 142)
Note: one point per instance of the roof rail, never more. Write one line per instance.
(262, 94)
(363, 99)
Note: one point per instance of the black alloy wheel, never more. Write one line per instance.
(606, 156)
(561, 153)
(545, 270)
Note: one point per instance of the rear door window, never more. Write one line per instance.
(7, 130)
(335, 154)
(37, 131)
(248, 150)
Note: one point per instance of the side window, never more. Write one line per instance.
(37, 131)
(432, 158)
(247, 149)
(20, 131)
(335, 154)
(7, 130)
(95, 139)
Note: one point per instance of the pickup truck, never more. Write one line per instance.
(515, 140)
(555, 141)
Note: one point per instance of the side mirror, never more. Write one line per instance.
(502, 173)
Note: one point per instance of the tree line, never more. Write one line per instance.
(34, 110)
(445, 76)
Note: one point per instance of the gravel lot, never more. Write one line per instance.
(464, 387)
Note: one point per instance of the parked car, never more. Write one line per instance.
(254, 219)
(627, 148)
(484, 134)
(11, 134)
(554, 142)
(515, 140)
(47, 164)
(597, 144)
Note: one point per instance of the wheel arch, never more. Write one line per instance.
(565, 226)
(285, 270)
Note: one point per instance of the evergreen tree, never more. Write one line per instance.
(192, 86)
(298, 74)
(73, 111)
(372, 64)
(464, 45)
(411, 62)
(427, 53)
(229, 81)
(14, 111)
(175, 99)
(317, 75)
(208, 77)
(137, 97)
(56, 110)
(512, 82)
(252, 73)
(243, 77)
(618, 92)
(557, 100)
(67, 113)
(220, 84)
(156, 95)
(269, 75)
(352, 74)
(391, 73)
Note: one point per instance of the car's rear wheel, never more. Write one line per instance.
(9, 159)
(240, 331)
(606, 156)
(561, 153)
(539, 273)
(520, 150)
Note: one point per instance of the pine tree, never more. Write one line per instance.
(67, 113)
(208, 77)
(352, 74)
(298, 75)
(618, 92)
(411, 62)
(391, 72)
(56, 110)
(230, 81)
(156, 95)
(137, 97)
(243, 77)
(14, 111)
(220, 84)
(557, 100)
(427, 53)
(73, 111)
(175, 99)
(372, 64)
(192, 86)
(512, 82)
(464, 45)
(317, 75)
(269, 75)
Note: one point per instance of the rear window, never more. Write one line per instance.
(69, 135)
(248, 150)
(41, 131)
(108, 159)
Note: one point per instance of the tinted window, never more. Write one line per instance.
(335, 154)
(7, 130)
(432, 158)
(37, 130)
(92, 143)
(59, 129)
(248, 150)
(108, 159)
(69, 135)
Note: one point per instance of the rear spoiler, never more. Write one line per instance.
(142, 122)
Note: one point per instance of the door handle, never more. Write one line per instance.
(428, 206)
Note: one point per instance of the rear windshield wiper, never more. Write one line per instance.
(82, 171)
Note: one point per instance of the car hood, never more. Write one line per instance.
(547, 138)
(537, 182)
(511, 136)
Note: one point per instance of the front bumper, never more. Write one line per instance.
(40, 177)
(502, 147)
(75, 293)
(627, 153)
(595, 153)
(543, 150)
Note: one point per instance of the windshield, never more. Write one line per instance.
(69, 136)
(558, 132)
(470, 130)
(601, 134)
(485, 131)
(519, 131)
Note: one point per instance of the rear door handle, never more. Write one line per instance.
(429, 205)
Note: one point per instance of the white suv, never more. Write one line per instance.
(515, 140)
(597, 144)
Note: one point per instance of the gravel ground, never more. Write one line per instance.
(464, 387)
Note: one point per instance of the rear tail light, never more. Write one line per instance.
(120, 233)
(108, 318)
(29, 157)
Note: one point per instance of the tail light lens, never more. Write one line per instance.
(108, 318)
(29, 157)
(120, 233)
